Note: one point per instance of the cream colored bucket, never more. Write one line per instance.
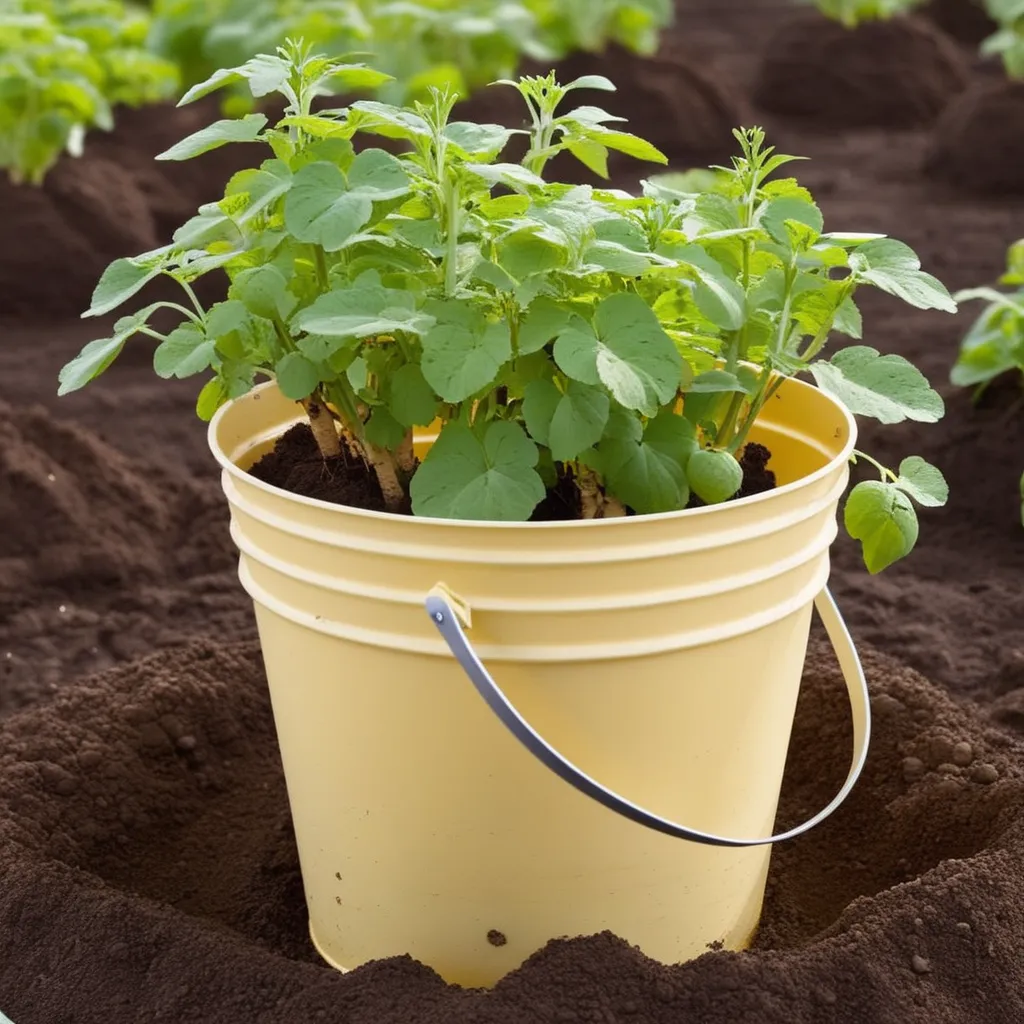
(659, 657)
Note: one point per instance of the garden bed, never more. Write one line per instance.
(147, 866)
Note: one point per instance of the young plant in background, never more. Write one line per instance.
(64, 64)
(617, 346)
(995, 343)
(1008, 41)
(852, 12)
(456, 44)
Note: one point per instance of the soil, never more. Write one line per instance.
(964, 20)
(901, 72)
(979, 141)
(148, 867)
(295, 464)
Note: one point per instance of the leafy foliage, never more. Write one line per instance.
(625, 344)
(1007, 42)
(852, 12)
(63, 65)
(995, 343)
(458, 44)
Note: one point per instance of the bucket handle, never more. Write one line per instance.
(439, 605)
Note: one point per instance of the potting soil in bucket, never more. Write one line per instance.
(661, 654)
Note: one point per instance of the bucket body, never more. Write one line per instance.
(662, 654)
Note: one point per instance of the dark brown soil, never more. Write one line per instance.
(897, 73)
(295, 464)
(979, 142)
(965, 20)
(115, 202)
(148, 872)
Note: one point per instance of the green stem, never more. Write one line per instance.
(192, 296)
(344, 400)
(756, 406)
(320, 259)
(885, 474)
(451, 256)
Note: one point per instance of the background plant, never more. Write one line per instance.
(459, 44)
(623, 344)
(852, 12)
(994, 345)
(64, 64)
(1008, 40)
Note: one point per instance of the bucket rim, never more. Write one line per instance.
(618, 523)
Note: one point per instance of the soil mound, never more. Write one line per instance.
(144, 833)
(112, 201)
(965, 20)
(897, 73)
(978, 143)
(101, 558)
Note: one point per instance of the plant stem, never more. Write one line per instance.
(451, 255)
(885, 474)
(383, 463)
(321, 422)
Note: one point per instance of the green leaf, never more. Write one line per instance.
(477, 139)
(715, 382)
(119, 282)
(923, 482)
(626, 350)
(567, 423)
(212, 396)
(383, 430)
(778, 212)
(648, 474)
(591, 154)
(362, 311)
(263, 291)
(894, 268)
(243, 129)
(413, 403)
(504, 206)
(185, 352)
(94, 358)
(631, 145)
(887, 388)
(463, 477)
(462, 352)
(523, 253)
(542, 323)
(225, 317)
(590, 82)
(297, 377)
(512, 176)
(718, 296)
(848, 320)
(883, 519)
(324, 208)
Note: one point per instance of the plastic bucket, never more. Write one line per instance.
(660, 654)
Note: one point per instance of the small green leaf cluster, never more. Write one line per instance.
(995, 343)
(1007, 42)
(64, 64)
(852, 13)
(623, 344)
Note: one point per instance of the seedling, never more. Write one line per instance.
(852, 12)
(994, 345)
(620, 344)
(63, 65)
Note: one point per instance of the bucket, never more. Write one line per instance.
(652, 662)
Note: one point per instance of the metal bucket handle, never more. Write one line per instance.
(439, 604)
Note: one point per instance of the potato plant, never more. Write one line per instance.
(64, 65)
(621, 344)
(994, 345)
